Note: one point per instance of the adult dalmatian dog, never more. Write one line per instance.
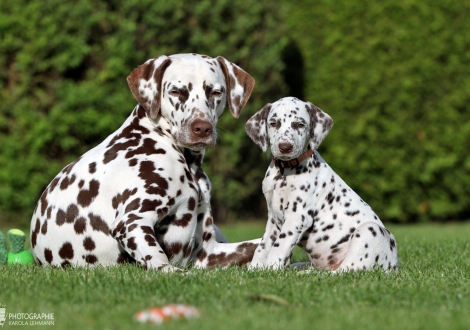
(141, 195)
(308, 203)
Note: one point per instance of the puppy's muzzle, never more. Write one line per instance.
(285, 147)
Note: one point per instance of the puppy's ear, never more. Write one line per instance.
(320, 124)
(257, 129)
(239, 85)
(145, 83)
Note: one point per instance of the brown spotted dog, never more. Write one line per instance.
(309, 205)
(141, 195)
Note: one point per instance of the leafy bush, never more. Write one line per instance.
(395, 76)
(63, 69)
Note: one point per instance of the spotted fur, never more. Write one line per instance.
(141, 195)
(310, 205)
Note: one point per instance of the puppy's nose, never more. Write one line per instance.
(201, 128)
(285, 147)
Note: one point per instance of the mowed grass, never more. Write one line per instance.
(431, 291)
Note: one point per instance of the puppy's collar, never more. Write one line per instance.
(282, 164)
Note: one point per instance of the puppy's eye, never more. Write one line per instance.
(175, 93)
(298, 125)
(216, 93)
(273, 124)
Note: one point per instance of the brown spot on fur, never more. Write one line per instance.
(48, 255)
(92, 167)
(150, 239)
(44, 228)
(147, 230)
(202, 255)
(66, 251)
(149, 205)
(98, 224)
(71, 213)
(69, 216)
(53, 184)
(184, 221)
(371, 229)
(147, 148)
(122, 198)
(132, 206)
(89, 244)
(131, 136)
(60, 217)
(80, 225)
(131, 243)
(173, 249)
(90, 259)
(67, 169)
(191, 204)
(155, 184)
(86, 196)
(66, 182)
(206, 236)
(44, 203)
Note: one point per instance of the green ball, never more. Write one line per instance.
(24, 257)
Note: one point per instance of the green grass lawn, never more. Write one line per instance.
(431, 291)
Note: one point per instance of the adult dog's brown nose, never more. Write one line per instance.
(201, 128)
(285, 147)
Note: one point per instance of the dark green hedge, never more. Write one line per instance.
(63, 69)
(395, 76)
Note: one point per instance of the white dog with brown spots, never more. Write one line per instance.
(309, 205)
(141, 195)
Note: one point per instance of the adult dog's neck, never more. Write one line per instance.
(162, 125)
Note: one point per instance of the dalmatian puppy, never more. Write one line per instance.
(141, 195)
(309, 205)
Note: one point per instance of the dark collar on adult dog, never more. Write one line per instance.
(282, 164)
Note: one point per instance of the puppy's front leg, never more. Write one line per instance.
(270, 236)
(294, 228)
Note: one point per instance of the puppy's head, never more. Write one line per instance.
(190, 91)
(289, 126)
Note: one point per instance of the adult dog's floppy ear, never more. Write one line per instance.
(145, 83)
(320, 124)
(257, 129)
(239, 85)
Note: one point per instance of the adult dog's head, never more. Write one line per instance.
(289, 126)
(190, 92)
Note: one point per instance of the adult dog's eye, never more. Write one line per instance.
(300, 125)
(273, 124)
(216, 93)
